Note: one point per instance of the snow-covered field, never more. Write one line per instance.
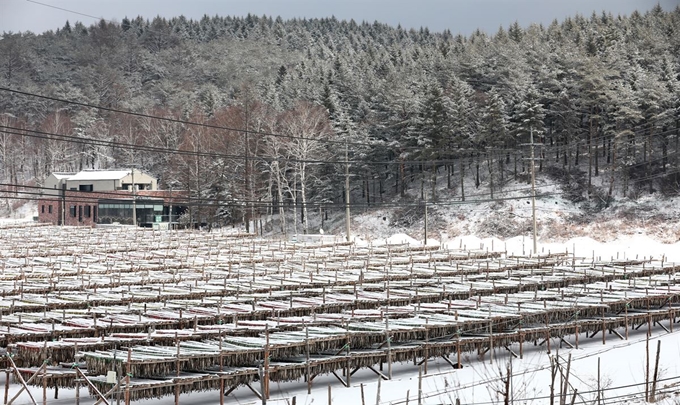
(481, 381)
(622, 363)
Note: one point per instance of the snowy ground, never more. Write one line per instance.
(635, 229)
(480, 381)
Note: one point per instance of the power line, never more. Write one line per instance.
(262, 133)
(67, 10)
(177, 120)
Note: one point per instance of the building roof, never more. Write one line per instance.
(100, 175)
(63, 175)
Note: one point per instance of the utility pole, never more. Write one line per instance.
(347, 215)
(134, 199)
(533, 186)
(247, 174)
(62, 214)
(425, 196)
(170, 209)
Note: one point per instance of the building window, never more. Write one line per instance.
(49, 208)
(85, 187)
(42, 209)
(80, 213)
(87, 211)
(72, 211)
(94, 213)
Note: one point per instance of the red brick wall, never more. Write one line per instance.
(79, 201)
(82, 199)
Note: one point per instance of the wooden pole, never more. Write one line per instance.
(266, 363)
(330, 399)
(576, 335)
(77, 391)
(363, 398)
(573, 397)
(599, 389)
(553, 374)
(563, 399)
(389, 348)
(626, 319)
(44, 389)
(177, 364)
(308, 375)
(507, 387)
(23, 382)
(377, 395)
(348, 365)
(647, 370)
(490, 338)
(222, 369)
(427, 341)
(656, 371)
(127, 377)
(420, 386)
(101, 397)
(6, 385)
(458, 351)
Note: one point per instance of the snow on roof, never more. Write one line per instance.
(100, 175)
(63, 175)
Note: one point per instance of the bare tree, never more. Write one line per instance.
(307, 124)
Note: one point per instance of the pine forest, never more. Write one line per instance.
(260, 117)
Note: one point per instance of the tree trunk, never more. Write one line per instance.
(434, 182)
(462, 178)
(613, 172)
(303, 197)
(402, 174)
(490, 166)
(648, 164)
(590, 156)
(448, 176)
(477, 181)
(664, 150)
(422, 182)
(597, 154)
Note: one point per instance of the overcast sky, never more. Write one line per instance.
(460, 16)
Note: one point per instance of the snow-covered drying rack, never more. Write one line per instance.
(178, 311)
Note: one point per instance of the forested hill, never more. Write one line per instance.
(599, 94)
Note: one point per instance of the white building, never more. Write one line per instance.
(99, 180)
